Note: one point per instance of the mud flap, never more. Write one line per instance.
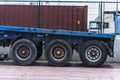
(110, 52)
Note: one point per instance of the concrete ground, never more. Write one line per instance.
(74, 71)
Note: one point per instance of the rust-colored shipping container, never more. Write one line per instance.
(50, 17)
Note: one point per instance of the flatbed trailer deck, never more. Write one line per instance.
(24, 39)
(27, 44)
(4, 29)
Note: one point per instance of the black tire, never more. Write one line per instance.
(58, 52)
(39, 51)
(23, 52)
(93, 54)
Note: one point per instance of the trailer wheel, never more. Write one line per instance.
(23, 52)
(58, 53)
(93, 54)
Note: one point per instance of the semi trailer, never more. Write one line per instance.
(59, 30)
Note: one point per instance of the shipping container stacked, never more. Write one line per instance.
(72, 18)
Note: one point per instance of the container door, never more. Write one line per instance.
(74, 21)
(80, 15)
(82, 18)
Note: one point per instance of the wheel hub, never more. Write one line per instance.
(58, 52)
(23, 52)
(93, 53)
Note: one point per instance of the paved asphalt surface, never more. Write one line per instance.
(43, 71)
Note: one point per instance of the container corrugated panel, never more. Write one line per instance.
(50, 17)
(17, 15)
